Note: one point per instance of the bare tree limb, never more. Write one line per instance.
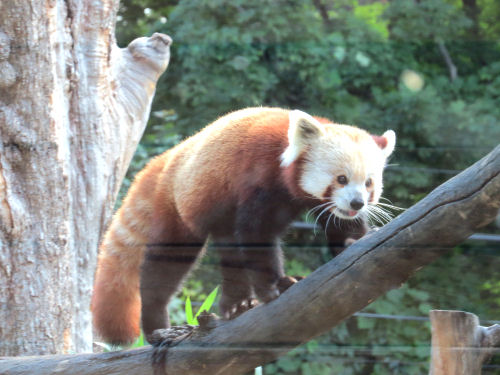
(323, 11)
(372, 266)
(449, 62)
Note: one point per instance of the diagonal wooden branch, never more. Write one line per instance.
(366, 270)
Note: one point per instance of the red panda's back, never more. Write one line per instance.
(215, 169)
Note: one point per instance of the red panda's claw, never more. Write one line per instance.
(238, 308)
(287, 281)
(349, 241)
(268, 294)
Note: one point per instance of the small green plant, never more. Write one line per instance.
(190, 319)
(205, 306)
(113, 348)
(139, 342)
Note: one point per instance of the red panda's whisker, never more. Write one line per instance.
(319, 206)
(381, 207)
(374, 219)
(373, 216)
(339, 221)
(327, 221)
(383, 215)
(329, 207)
(316, 208)
(378, 214)
(386, 199)
(383, 212)
(391, 206)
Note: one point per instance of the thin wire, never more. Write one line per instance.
(475, 237)
(411, 317)
(424, 169)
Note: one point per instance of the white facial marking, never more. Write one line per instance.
(390, 136)
(343, 197)
(351, 152)
(302, 130)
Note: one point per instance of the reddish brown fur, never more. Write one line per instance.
(162, 206)
(291, 176)
(328, 192)
(116, 302)
(116, 308)
(195, 189)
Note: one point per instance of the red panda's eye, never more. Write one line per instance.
(369, 183)
(342, 180)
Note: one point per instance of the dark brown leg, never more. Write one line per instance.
(237, 294)
(341, 233)
(165, 266)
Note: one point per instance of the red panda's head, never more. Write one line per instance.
(341, 165)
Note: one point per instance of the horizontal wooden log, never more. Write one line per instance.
(372, 266)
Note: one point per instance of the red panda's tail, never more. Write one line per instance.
(116, 302)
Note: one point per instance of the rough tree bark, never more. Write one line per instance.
(460, 346)
(72, 108)
(373, 265)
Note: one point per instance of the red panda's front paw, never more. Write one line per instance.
(287, 281)
(267, 294)
(273, 292)
(350, 241)
(233, 309)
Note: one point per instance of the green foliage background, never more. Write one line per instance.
(348, 60)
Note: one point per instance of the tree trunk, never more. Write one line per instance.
(73, 107)
(460, 346)
(472, 11)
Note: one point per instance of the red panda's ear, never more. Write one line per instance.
(302, 130)
(386, 142)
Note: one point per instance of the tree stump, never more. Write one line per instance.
(460, 346)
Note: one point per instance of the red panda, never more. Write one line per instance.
(239, 182)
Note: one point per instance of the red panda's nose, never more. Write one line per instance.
(357, 204)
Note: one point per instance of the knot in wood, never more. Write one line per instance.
(208, 321)
(8, 74)
(4, 46)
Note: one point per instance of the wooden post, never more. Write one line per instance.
(460, 345)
